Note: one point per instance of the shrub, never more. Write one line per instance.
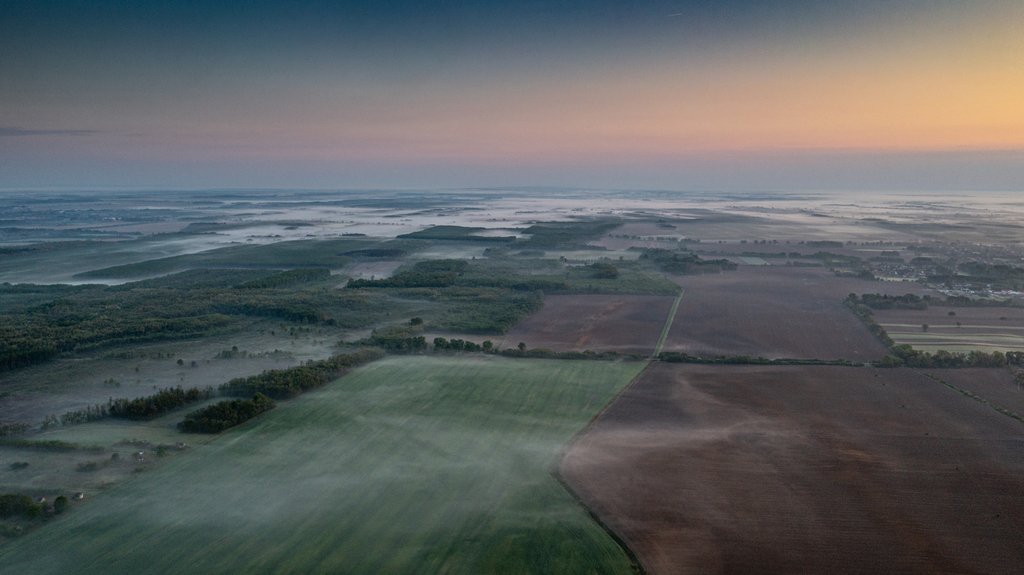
(14, 504)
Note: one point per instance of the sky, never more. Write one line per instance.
(667, 94)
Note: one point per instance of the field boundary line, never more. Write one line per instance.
(556, 471)
(668, 325)
(977, 398)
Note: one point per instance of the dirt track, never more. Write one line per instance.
(623, 323)
(775, 311)
(789, 470)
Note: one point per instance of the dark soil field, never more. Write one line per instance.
(996, 385)
(790, 470)
(622, 323)
(775, 311)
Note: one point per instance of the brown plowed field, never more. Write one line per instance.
(623, 323)
(775, 311)
(793, 470)
(995, 385)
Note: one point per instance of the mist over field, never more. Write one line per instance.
(645, 287)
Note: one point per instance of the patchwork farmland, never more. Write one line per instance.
(736, 469)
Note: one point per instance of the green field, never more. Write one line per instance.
(407, 465)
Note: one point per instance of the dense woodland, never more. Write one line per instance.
(79, 320)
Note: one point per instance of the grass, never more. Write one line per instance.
(668, 325)
(408, 465)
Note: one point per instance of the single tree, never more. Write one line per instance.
(522, 346)
(924, 327)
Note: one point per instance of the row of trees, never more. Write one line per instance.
(441, 344)
(913, 302)
(161, 402)
(394, 343)
(225, 414)
(882, 302)
(407, 280)
(9, 429)
(286, 383)
(673, 357)
(910, 357)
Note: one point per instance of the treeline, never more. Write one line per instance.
(407, 280)
(9, 429)
(163, 401)
(288, 278)
(90, 413)
(864, 314)
(686, 263)
(914, 302)
(47, 445)
(674, 357)
(287, 383)
(393, 343)
(906, 355)
(225, 414)
(442, 344)
(389, 253)
(544, 353)
(882, 302)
